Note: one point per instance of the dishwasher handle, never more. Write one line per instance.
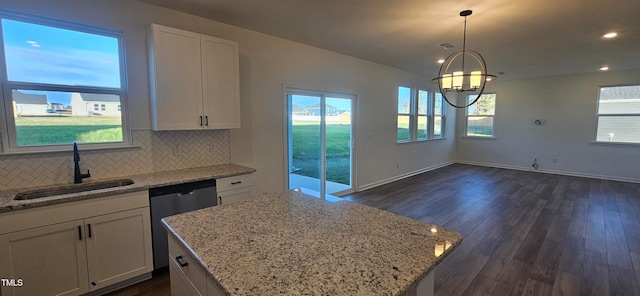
(181, 189)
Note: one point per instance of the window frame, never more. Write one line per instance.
(443, 116)
(493, 119)
(414, 115)
(7, 124)
(598, 115)
(411, 114)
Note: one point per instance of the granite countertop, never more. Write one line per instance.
(294, 244)
(142, 182)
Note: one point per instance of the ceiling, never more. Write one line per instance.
(524, 38)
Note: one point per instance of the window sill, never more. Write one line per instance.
(492, 138)
(431, 139)
(68, 149)
(420, 140)
(614, 143)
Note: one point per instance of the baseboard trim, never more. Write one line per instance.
(403, 176)
(554, 172)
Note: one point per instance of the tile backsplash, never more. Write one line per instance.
(153, 152)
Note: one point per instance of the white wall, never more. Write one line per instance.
(267, 64)
(568, 106)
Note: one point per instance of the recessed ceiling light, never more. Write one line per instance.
(610, 35)
(440, 61)
(604, 68)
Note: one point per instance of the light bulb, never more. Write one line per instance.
(476, 77)
(457, 79)
(446, 81)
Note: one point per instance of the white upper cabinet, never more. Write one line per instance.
(194, 80)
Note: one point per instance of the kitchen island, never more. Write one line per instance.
(294, 244)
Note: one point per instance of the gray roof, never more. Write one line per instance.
(87, 97)
(22, 98)
(297, 108)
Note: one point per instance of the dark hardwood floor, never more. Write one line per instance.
(525, 233)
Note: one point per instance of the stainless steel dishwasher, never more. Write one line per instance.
(172, 200)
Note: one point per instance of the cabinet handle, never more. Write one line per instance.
(206, 118)
(200, 120)
(79, 232)
(236, 182)
(182, 264)
(89, 225)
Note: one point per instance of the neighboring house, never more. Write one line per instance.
(315, 110)
(83, 104)
(299, 110)
(56, 106)
(618, 128)
(29, 104)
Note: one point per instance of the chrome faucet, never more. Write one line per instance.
(77, 176)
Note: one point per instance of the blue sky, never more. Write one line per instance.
(304, 101)
(42, 54)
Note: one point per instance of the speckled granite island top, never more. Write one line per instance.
(293, 244)
(142, 182)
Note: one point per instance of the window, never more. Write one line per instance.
(405, 120)
(619, 114)
(438, 116)
(480, 116)
(420, 115)
(423, 115)
(57, 76)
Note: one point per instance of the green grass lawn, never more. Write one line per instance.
(306, 151)
(480, 131)
(52, 130)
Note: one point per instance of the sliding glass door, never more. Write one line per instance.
(320, 142)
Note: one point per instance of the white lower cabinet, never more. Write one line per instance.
(234, 189)
(117, 249)
(77, 256)
(187, 277)
(48, 260)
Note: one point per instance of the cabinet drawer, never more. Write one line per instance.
(180, 284)
(233, 196)
(234, 182)
(193, 271)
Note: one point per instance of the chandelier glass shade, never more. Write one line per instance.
(463, 75)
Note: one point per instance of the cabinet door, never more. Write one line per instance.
(220, 76)
(118, 247)
(49, 260)
(176, 79)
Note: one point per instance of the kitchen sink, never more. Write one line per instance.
(76, 188)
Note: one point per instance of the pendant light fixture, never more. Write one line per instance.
(457, 80)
